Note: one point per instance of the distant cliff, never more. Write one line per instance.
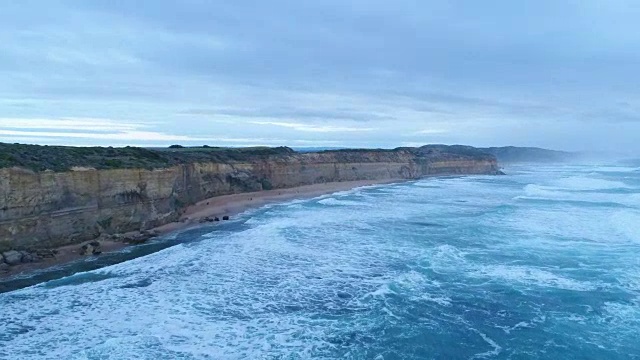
(53, 196)
(513, 154)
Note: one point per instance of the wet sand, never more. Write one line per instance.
(219, 206)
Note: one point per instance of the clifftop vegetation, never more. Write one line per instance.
(63, 158)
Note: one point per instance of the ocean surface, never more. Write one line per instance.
(543, 263)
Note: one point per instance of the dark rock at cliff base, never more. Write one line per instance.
(4, 267)
(27, 257)
(92, 248)
(84, 250)
(216, 219)
(12, 257)
(117, 237)
(207, 219)
(225, 217)
(149, 233)
(137, 239)
(46, 254)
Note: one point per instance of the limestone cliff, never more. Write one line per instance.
(42, 209)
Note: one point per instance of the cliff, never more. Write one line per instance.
(46, 208)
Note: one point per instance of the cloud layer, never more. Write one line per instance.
(323, 73)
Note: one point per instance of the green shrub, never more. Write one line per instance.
(266, 184)
(113, 163)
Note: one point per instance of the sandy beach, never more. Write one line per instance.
(219, 206)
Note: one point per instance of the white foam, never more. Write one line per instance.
(627, 224)
(623, 315)
(543, 192)
(145, 348)
(532, 276)
(411, 280)
(520, 325)
(428, 184)
(335, 202)
(616, 169)
(588, 183)
(446, 258)
(590, 226)
(536, 190)
(491, 353)
(382, 291)
(440, 300)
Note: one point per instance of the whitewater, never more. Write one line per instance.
(541, 263)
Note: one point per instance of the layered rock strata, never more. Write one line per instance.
(46, 209)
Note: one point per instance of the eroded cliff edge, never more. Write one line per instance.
(46, 208)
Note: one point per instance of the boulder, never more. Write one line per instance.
(45, 253)
(216, 219)
(118, 237)
(4, 267)
(12, 257)
(97, 247)
(139, 238)
(27, 257)
(150, 233)
(92, 248)
(226, 217)
(1, 259)
(84, 250)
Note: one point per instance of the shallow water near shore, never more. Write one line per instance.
(542, 263)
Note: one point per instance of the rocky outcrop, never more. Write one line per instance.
(92, 248)
(47, 209)
(12, 257)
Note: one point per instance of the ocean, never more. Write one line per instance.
(543, 263)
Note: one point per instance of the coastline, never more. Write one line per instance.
(196, 214)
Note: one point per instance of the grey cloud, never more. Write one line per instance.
(611, 115)
(405, 65)
(293, 113)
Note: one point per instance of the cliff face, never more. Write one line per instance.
(47, 209)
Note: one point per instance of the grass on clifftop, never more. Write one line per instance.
(64, 158)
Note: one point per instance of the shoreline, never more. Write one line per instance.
(195, 215)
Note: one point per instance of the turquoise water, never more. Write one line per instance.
(542, 263)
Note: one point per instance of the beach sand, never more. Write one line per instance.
(219, 206)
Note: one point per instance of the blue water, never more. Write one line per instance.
(542, 263)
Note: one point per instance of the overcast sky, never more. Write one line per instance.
(334, 73)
